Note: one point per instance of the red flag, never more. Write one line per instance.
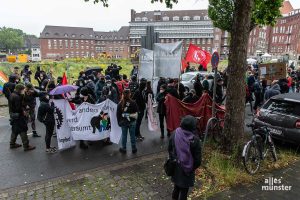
(64, 79)
(196, 55)
(184, 64)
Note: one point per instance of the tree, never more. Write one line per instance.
(238, 17)
(10, 39)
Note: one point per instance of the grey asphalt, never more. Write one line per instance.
(18, 167)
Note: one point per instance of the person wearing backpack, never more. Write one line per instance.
(46, 116)
(184, 147)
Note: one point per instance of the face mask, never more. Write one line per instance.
(108, 84)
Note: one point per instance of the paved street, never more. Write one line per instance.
(19, 167)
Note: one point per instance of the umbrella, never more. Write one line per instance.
(89, 71)
(251, 61)
(266, 55)
(63, 89)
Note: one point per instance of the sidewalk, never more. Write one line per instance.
(139, 178)
(289, 177)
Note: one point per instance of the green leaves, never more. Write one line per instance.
(264, 12)
(11, 39)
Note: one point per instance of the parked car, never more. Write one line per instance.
(188, 79)
(281, 114)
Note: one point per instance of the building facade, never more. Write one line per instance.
(59, 42)
(188, 26)
(281, 39)
(36, 50)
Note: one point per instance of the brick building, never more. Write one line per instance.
(59, 42)
(188, 26)
(114, 44)
(282, 39)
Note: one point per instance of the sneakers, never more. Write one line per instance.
(29, 148)
(123, 151)
(51, 150)
(15, 146)
(34, 134)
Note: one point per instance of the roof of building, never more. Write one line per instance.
(121, 34)
(35, 42)
(150, 15)
(286, 7)
(67, 32)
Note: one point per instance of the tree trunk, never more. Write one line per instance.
(235, 102)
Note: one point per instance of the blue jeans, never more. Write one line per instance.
(131, 128)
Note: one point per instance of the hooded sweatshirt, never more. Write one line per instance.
(273, 91)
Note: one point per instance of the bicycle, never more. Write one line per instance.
(214, 127)
(257, 148)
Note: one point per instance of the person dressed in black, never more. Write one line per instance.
(91, 86)
(134, 71)
(185, 147)
(161, 81)
(133, 84)
(171, 89)
(46, 116)
(18, 119)
(84, 97)
(161, 109)
(198, 86)
(9, 87)
(44, 81)
(115, 71)
(191, 97)
(99, 87)
(26, 73)
(30, 104)
(140, 101)
(126, 116)
(180, 88)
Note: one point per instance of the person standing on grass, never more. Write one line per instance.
(46, 116)
(185, 147)
(126, 115)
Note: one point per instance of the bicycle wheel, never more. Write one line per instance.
(251, 157)
(215, 130)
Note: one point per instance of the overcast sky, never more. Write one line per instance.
(32, 15)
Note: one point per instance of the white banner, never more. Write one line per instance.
(167, 59)
(146, 64)
(94, 122)
(64, 137)
(152, 120)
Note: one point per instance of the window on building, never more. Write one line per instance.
(162, 40)
(60, 44)
(144, 19)
(206, 18)
(66, 35)
(97, 36)
(47, 34)
(71, 44)
(66, 44)
(167, 41)
(186, 18)
(110, 49)
(176, 18)
(73, 35)
(86, 41)
(55, 44)
(81, 36)
(87, 47)
(197, 18)
(166, 18)
(116, 49)
(49, 44)
(203, 41)
(138, 19)
(121, 49)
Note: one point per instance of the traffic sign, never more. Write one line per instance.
(215, 60)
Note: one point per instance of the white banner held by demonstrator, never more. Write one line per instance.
(146, 64)
(167, 59)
